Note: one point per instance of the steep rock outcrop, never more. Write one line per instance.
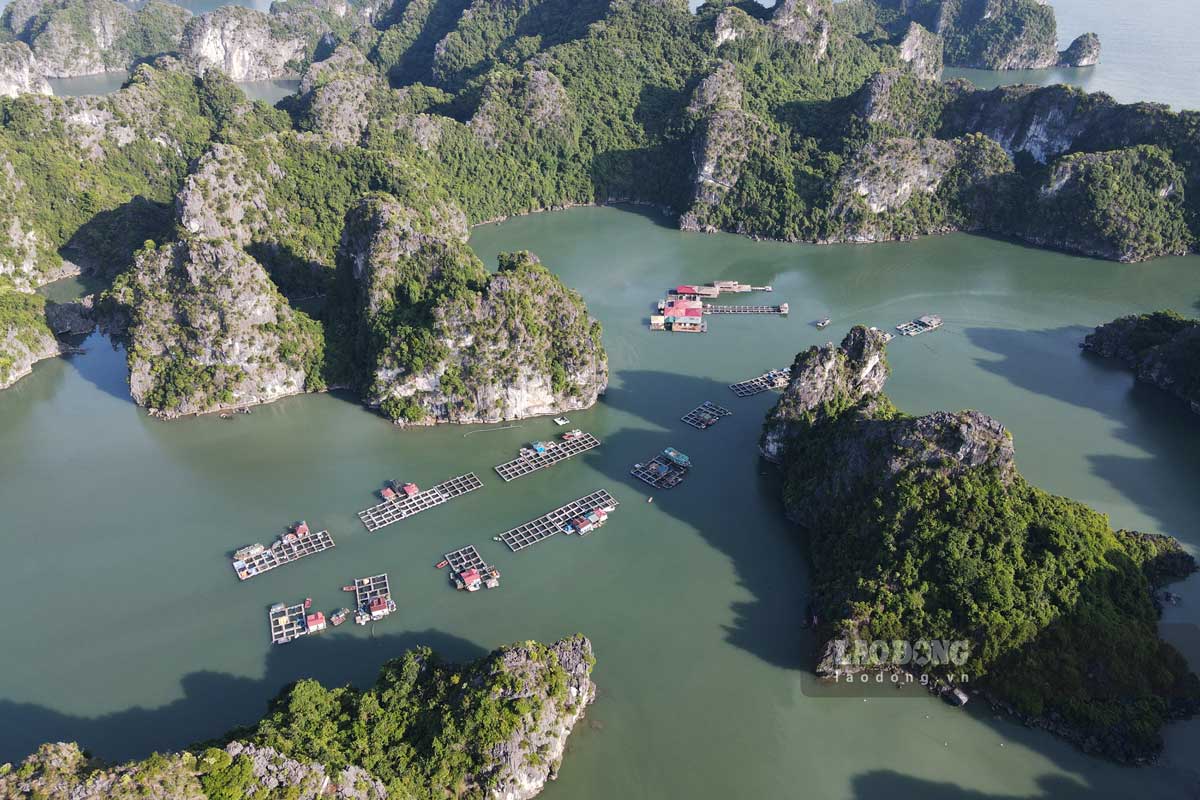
(25, 338)
(19, 71)
(922, 51)
(208, 330)
(516, 109)
(804, 22)
(338, 96)
(439, 340)
(1162, 349)
(826, 378)
(1083, 52)
(247, 45)
(1122, 205)
(900, 103)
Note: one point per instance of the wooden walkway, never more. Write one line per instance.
(715, 309)
(282, 553)
(287, 623)
(775, 379)
(705, 415)
(551, 523)
(394, 510)
(660, 472)
(562, 450)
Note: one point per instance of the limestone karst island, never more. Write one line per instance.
(598, 399)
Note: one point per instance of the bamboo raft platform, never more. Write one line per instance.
(545, 526)
(775, 379)
(781, 309)
(287, 622)
(282, 552)
(399, 508)
(705, 415)
(465, 558)
(527, 465)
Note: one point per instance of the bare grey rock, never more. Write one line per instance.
(247, 45)
(19, 71)
(922, 51)
(805, 22)
(1083, 52)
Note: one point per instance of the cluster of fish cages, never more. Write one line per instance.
(705, 415)
(665, 471)
(287, 622)
(561, 451)
(781, 309)
(775, 379)
(553, 522)
(256, 559)
(469, 571)
(394, 510)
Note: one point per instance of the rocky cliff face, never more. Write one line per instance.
(922, 50)
(25, 338)
(84, 37)
(724, 135)
(1084, 51)
(517, 109)
(19, 71)
(1163, 349)
(805, 22)
(247, 45)
(823, 379)
(338, 95)
(441, 340)
(208, 330)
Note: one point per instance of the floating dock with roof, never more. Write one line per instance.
(557, 521)
(705, 415)
(775, 379)
(469, 571)
(287, 622)
(929, 322)
(372, 599)
(297, 543)
(531, 462)
(404, 506)
(781, 309)
(665, 471)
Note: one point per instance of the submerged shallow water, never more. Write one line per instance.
(127, 631)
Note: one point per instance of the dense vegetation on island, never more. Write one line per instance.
(426, 729)
(1162, 348)
(922, 528)
(807, 121)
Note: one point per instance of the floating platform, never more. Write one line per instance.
(781, 309)
(775, 379)
(920, 325)
(287, 622)
(372, 599)
(548, 524)
(466, 558)
(290, 547)
(562, 450)
(402, 507)
(705, 415)
(663, 471)
(465, 561)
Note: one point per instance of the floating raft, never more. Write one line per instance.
(551, 523)
(775, 379)
(399, 508)
(368, 589)
(660, 472)
(465, 558)
(287, 622)
(705, 415)
(710, 308)
(525, 465)
(281, 553)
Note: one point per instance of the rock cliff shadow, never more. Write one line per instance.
(1143, 416)
(106, 243)
(886, 783)
(214, 703)
(731, 498)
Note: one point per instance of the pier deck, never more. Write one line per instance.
(281, 553)
(465, 558)
(287, 623)
(660, 472)
(394, 510)
(705, 415)
(775, 379)
(710, 308)
(526, 465)
(548, 524)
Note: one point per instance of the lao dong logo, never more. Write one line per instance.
(853, 654)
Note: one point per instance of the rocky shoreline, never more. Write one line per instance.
(1162, 349)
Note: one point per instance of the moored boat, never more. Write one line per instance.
(442, 564)
(339, 616)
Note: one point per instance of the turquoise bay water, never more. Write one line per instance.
(128, 632)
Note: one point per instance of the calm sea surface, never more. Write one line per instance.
(127, 630)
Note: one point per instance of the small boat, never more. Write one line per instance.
(348, 587)
(442, 564)
(824, 322)
(339, 616)
(307, 603)
(572, 434)
(560, 421)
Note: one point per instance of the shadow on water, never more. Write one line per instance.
(887, 783)
(103, 365)
(214, 702)
(1144, 416)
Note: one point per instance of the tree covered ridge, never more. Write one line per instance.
(426, 729)
(1162, 348)
(922, 528)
